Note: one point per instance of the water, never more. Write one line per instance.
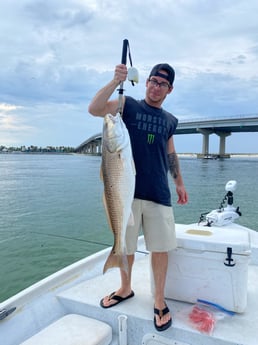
(51, 211)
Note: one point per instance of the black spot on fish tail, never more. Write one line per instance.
(116, 260)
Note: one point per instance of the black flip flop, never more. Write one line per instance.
(160, 313)
(117, 298)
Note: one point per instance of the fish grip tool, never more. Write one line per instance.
(133, 77)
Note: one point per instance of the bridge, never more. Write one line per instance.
(221, 127)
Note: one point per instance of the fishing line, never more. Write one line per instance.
(81, 240)
(52, 235)
(66, 238)
(71, 238)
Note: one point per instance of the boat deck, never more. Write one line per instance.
(84, 299)
(78, 288)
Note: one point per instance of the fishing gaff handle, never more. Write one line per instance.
(121, 90)
(124, 51)
(123, 61)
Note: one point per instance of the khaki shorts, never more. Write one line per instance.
(158, 226)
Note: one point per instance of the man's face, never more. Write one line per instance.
(157, 88)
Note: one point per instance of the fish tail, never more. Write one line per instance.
(116, 260)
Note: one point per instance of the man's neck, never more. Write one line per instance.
(153, 104)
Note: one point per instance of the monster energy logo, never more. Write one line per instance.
(150, 138)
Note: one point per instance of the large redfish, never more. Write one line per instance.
(118, 173)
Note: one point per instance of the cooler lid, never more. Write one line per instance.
(214, 239)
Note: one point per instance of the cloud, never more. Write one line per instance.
(61, 14)
(12, 124)
(55, 55)
(4, 108)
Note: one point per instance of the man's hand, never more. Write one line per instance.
(182, 195)
(120, 74)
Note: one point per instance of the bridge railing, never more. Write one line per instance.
(218, 125)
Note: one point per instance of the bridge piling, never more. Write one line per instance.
(205, 141)
(222, 143)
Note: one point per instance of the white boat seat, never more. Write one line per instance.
(73, 329)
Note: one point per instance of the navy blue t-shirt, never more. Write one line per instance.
(149, 129)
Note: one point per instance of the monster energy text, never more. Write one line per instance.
(151, 123)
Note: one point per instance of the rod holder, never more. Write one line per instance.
(122, 329)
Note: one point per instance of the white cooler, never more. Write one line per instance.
(210, 263)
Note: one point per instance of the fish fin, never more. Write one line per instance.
(116, 260)
(106, 209)
(131, 219)
(133, 166)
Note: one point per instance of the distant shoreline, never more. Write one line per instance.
(186, 155)
(232, 155)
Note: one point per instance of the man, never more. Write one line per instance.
(151, 131)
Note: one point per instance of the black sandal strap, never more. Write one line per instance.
(161, 312)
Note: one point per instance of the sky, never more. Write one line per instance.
(56, 54)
